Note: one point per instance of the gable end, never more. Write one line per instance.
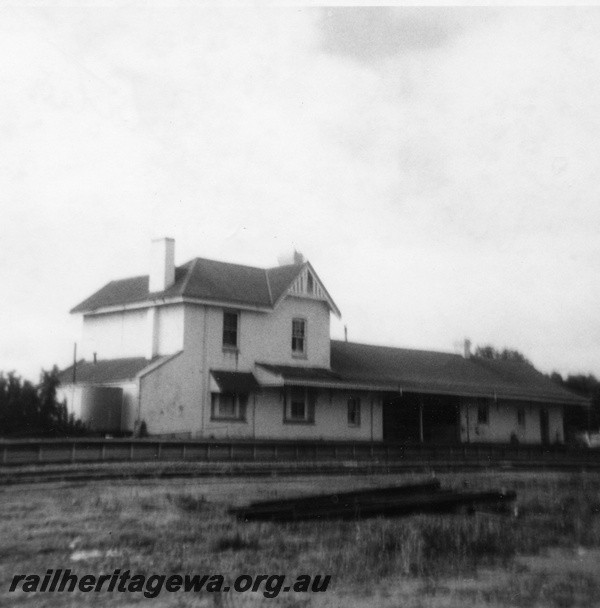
(308, 285)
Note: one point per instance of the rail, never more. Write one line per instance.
(87, 450)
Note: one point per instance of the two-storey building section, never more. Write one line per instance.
(213, 349)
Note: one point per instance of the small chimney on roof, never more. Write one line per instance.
(162, 264)
(467, 349)
(287, 259)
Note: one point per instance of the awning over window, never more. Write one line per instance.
(235, 382)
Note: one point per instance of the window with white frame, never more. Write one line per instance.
(229, 406)
(353, 411)
(299, 337)
(230, 329)
(299, 404)
(521, 416)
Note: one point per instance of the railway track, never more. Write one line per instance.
(48, 473)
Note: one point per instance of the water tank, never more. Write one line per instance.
(101, 408)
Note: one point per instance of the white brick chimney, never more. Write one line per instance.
(162, 264)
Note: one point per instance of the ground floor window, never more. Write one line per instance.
(521, 416)
(299, 404)
(228, 406)
(353, 411)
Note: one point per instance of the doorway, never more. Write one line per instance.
(416, 418)
(544, 426)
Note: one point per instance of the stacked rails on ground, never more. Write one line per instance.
(426, 497)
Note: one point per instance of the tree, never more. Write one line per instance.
(506, 354)
(581, 418)
(29, 410)
(18, 403)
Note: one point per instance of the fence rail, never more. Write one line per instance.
(56, 451)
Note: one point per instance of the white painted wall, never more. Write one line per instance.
(503, 422)
(265, 419)
(264, 337)
(114, 335)
(169, 329)
(182, 386)
(173, 396)
(267, 337)
(176, 397)
(170, 398)
(144, 332)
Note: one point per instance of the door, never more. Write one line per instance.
(401, 419)
(544, 426)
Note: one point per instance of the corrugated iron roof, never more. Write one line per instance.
(305, 374)
(203, 279)
(235, 382)
(444, 373)
(383, 368)
(124, 291)
(105, 371)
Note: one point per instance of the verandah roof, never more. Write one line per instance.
(235, 382)
(445, 373)
(362, 366)
(381, 368)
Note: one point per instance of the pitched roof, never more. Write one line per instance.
(280, 278)
(105, 370)
(381, 367)
(205, 280)
(444, 373)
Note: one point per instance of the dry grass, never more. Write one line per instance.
(172, 526)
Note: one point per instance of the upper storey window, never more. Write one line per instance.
(299, 337)
(230, 329)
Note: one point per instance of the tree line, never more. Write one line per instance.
(33, 410)
(575, 418)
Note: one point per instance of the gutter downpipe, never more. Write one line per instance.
(206, 387)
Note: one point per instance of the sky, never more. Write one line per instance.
(437, 166)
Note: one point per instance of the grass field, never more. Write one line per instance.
(547, 556)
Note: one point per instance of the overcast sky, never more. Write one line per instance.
(439, 167)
